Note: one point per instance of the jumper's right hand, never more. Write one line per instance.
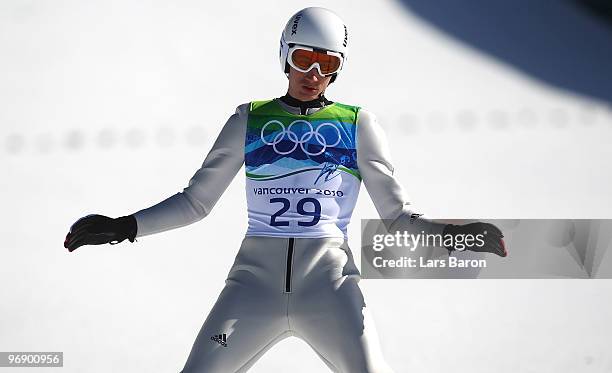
(99, 229)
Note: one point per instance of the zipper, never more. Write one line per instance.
(289, 265)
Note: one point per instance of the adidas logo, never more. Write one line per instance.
(220, 339)
(414, 217)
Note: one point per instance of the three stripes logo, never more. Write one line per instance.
(414, 217)
(220, 339)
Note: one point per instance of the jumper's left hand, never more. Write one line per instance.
(491, 235)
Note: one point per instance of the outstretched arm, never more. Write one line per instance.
(377, 172)
(192, 204)
(205, 187)
(376, 168)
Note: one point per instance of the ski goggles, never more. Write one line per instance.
(303, 59)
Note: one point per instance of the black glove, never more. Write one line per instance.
(491, 235)
(99, 229)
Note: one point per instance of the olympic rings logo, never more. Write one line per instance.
(289, 134)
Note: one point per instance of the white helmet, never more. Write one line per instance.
(314, 27)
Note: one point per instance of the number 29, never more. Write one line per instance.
(315, 213)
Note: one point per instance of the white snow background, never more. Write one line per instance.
(110, 106)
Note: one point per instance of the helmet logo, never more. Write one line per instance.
(345, 36)
(295, 24)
